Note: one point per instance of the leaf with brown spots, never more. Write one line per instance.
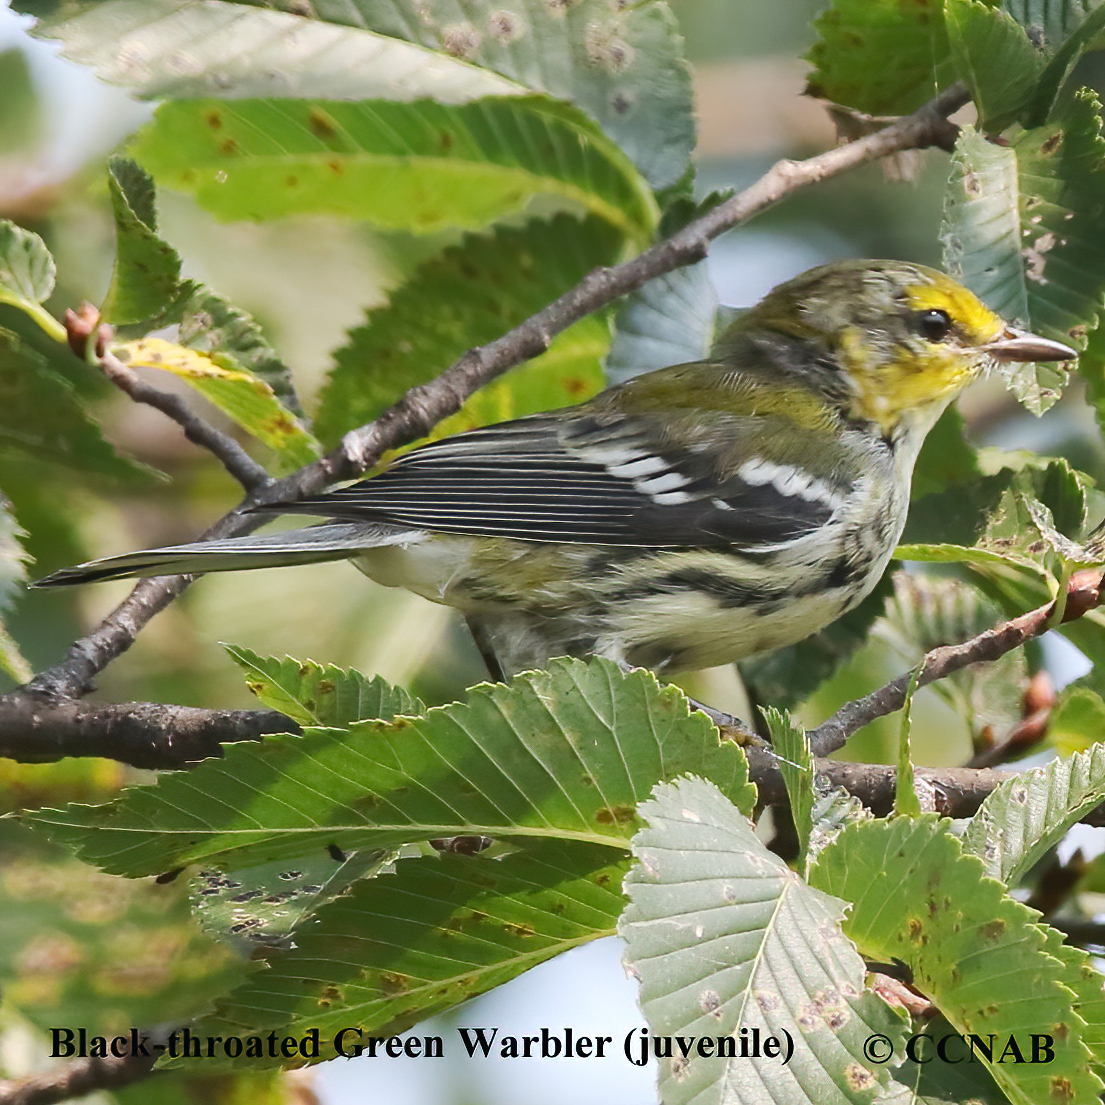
(727, 941)
(979, 956)
(505, 763)
(402, 947)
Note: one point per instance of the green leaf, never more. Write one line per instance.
(996, 59)
(1085, 31)
(26, 267)
(622, 64)
(726, 940)
(1032, 811)
(213, 326)
(790, 743)
(971, 949)
(257, 908)
(855, 39)
(1028, 520)
(404, 946)
(468, 295)
(27, 275)
(790, 675)
(322, 696)
(146, 277)
(13, 574)
(566, 753)
(671, 320)
(41, 417)
(139, 44)
(1050, 23)
(906, 801)
(419, 166)
(1022, 230)
(239, 394)
(1078, 720)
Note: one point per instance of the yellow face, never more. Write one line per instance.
(928, 366)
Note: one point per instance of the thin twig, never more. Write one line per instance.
(198, 430)
(1083, 594)
(423, 407)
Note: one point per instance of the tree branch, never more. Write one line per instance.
(75, 1079)
(38, 729)
(1083, 594)
(423, 407)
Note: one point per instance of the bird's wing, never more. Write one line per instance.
(607, 481)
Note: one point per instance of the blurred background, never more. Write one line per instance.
(306, 282)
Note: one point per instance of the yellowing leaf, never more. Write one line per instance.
(247, 400)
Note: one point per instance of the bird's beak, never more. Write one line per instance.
(1019, 345)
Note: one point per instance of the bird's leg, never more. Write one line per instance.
(482, 638)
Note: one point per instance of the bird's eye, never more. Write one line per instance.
(934, 325)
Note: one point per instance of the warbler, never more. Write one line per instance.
(688, 517)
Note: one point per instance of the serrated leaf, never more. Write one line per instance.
(726, 940)
(41, 417)
(1073, 31)
(1025, 520)
(146, 276)
(468, 295)
(404, 946)
(565, 753)
(855, 37)
(1032, 811)
(623, 64)
(974, 951)
(995, 57)
(419, 166)
(249, 401)
(671, 320)
(1022, 230)
(319, 695)
(237, 52)
(790, 743)
(790, 675)
(1050, 23)
(1084, 979)
(212, 325)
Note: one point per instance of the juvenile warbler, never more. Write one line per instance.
(688, 517)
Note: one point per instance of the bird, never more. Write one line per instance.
(688, 517)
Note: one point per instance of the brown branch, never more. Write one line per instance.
(75, 1079)
(39, 729)
(199, 431)
(423, 407)
(151, 735)
(1083, 594)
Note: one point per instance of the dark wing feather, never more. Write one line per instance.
(607, 483)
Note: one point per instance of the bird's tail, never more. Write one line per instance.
(271, 550)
